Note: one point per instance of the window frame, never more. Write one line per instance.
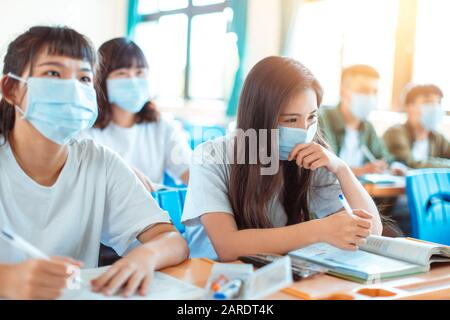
(190, 11)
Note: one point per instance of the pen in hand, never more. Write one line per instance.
(74, 280)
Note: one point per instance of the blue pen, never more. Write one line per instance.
(345, 204)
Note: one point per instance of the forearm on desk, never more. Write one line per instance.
(165, 245)
(231, 244)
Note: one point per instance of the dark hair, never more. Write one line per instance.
(269, 86)
(414, 91)
(61, 41)
(359, 69)
(116, 54)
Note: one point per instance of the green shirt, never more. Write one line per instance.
(332, 125)
(399, 139)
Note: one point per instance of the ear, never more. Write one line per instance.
(412, 110)
(7, 86)
(345, 95)
(5, 89)
(344, 87)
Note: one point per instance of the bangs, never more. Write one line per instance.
(422, 90)
(128, 55)
(66, 42)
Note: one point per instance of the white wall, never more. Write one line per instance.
(263, 30)
(100, 20)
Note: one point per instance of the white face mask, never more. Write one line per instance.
(432, 116)
(130, 94)
(59, 109)
(361, 105)
(290, 137)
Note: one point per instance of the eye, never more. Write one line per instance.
(86, 79)
(290, 120)
(53, 74)
(119, 74)
(312, 117)
(140, 73)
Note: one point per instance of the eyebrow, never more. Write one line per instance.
(58, 64)
(126, 68)
(297, 114)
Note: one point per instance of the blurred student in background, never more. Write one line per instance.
(129, 122)
(346, 126)
(417, 143)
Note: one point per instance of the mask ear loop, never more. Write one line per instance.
(15, 77)
(311, 132)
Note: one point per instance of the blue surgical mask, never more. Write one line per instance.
(130, 94)
(361, 105)
(290, 137)
(59, 109)
(432, 116)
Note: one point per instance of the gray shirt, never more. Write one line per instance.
(208, 192)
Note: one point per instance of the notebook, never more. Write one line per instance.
(380, 258)
(162, 287)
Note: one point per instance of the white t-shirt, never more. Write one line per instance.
(208, 192)
(351, 151)
(96, 198)
(420, 150)
(152, 148)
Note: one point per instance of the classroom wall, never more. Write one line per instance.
(100, 20)
(263, 30)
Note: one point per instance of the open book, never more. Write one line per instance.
(380, 258)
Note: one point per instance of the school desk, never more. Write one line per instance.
(432, 285)
(383, 185)
(385, 191)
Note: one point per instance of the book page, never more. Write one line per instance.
(365, 263)
(400, 248)
(162, 287)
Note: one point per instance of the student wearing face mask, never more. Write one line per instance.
(239, 203)
(129, 122)
(62, 195)
(346, 127)
(417, 143)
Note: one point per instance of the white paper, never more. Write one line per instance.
(163, 287)
(269, 279)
